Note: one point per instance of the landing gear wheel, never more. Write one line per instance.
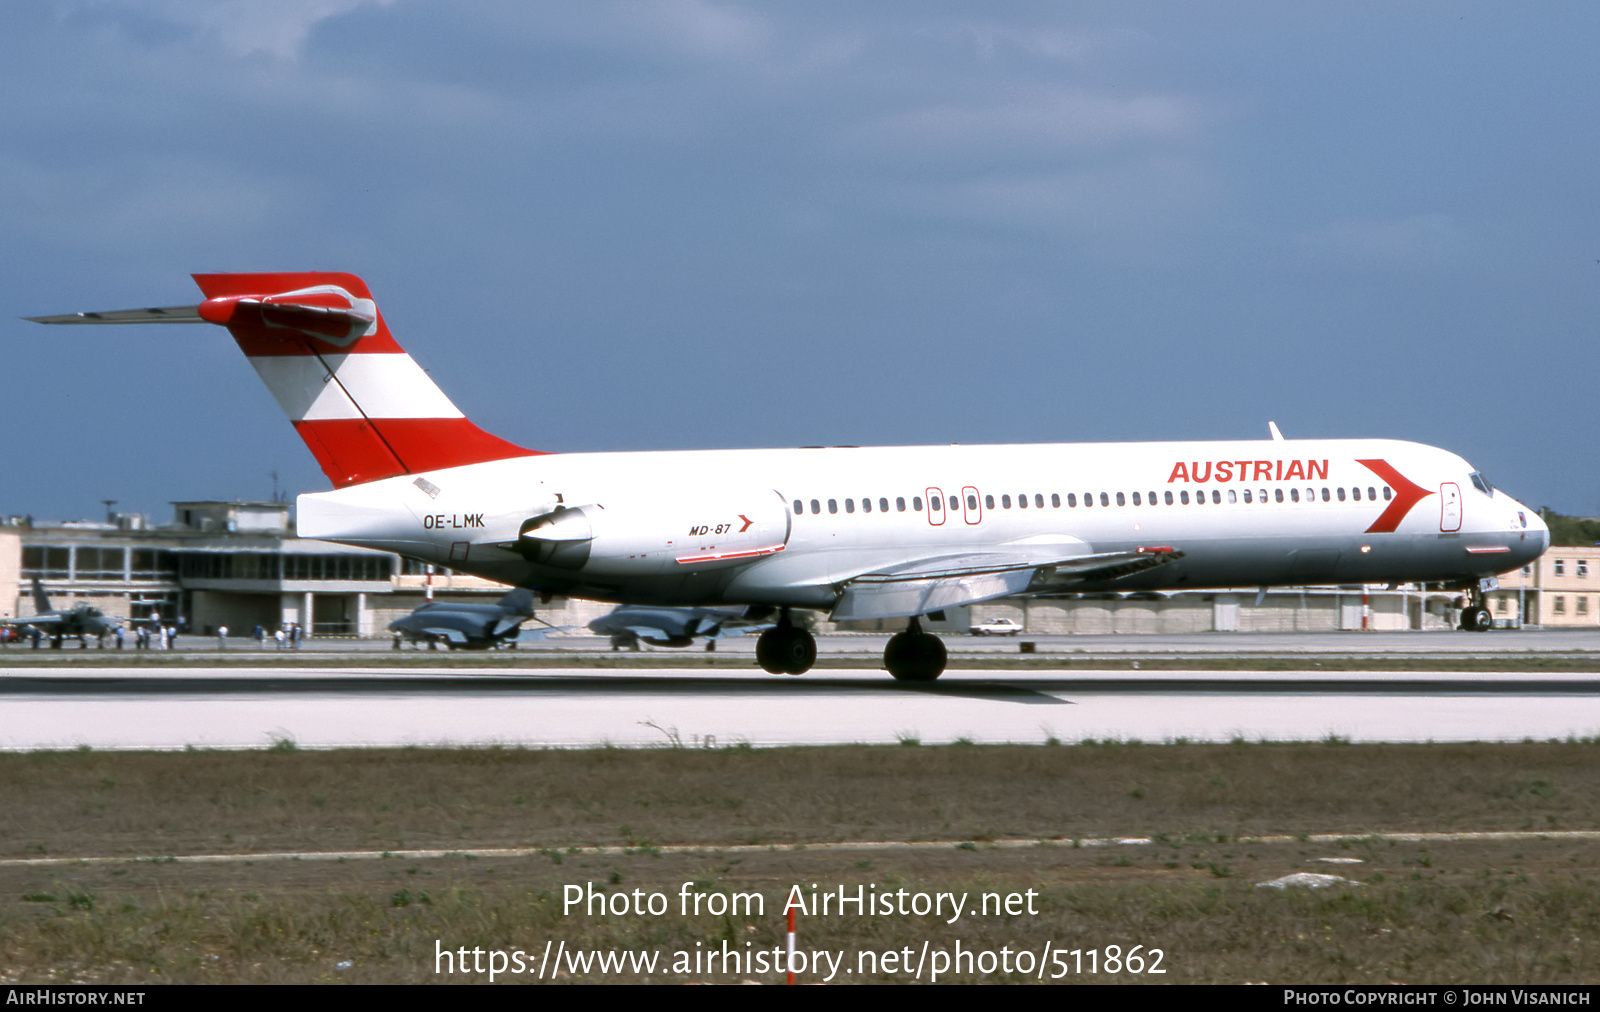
(785, 650)
(1477, 620)
(915, 656)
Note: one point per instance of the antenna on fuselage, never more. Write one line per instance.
(1272, 429)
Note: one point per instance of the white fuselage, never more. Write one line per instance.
(793, 527)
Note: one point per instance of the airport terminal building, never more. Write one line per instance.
(239, 565)
(233, 564)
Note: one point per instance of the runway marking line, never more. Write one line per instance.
(490, 852)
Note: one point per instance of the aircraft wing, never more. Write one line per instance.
(917, 588)
(41, 621)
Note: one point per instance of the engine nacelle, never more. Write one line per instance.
(712, 530)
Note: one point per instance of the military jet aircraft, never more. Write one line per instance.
(467, 626)
(630, 624)
(81, 621)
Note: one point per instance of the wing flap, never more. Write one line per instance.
(926, 585)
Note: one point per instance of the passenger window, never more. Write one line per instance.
(1325, 496)
(866, 505)
(1311, 495)
(1152, 498)
(955, 502)
(1277, 494)
(1055, 500)
(1246, 495)
(799, 507)
(849, 505)
(1038, 501)
(1233, 496)
(1183, 496)
(1022, 501)
(883, 505)
(1072, 500)
(936, 504)
(972, 502)
(1169, 498)
(1294, 495)
(1005, 502)
(988, 502)
(833, 505)
(1136, 501)
(1372, 493)
(900, 504)
(816, 507)
(1340, 490)
(1088, 499)
(916, 503)
(1121, 499)
(1105, 500)
(1355, 493)
(1386, 493)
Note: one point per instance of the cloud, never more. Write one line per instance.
(276, 28)
(137, 203)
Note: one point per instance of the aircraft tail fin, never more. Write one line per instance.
(519, 600)
(365, 409)
(41, 600)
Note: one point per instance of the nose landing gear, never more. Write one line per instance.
(786, 649)
(914, 655)
(1475, 617)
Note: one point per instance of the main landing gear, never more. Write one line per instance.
(786, 649)
(913, 655)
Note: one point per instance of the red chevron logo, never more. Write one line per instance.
(1406, 495)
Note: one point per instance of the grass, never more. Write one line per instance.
(1464, 911)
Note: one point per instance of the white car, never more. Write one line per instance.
(996, 627)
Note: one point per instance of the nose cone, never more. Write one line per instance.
(1536, 523)
(1537, 534)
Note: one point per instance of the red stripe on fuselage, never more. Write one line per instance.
(354, 450)
(1406, 495)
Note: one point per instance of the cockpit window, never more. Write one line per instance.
(1481, 483)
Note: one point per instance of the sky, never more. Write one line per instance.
(691, 224)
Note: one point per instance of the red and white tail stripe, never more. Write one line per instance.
(362, 405)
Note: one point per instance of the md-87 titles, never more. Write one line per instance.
(857, 532)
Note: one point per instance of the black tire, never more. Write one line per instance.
(785, 650)
(800, 652)
(915, 657)
(1482, 621)
(769, 651)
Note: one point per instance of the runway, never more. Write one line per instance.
(247, 707)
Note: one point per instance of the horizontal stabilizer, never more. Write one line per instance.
(155, 314)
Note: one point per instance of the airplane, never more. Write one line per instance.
(467, 626)
(80, 620)
(858, 532)
(630, 624)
